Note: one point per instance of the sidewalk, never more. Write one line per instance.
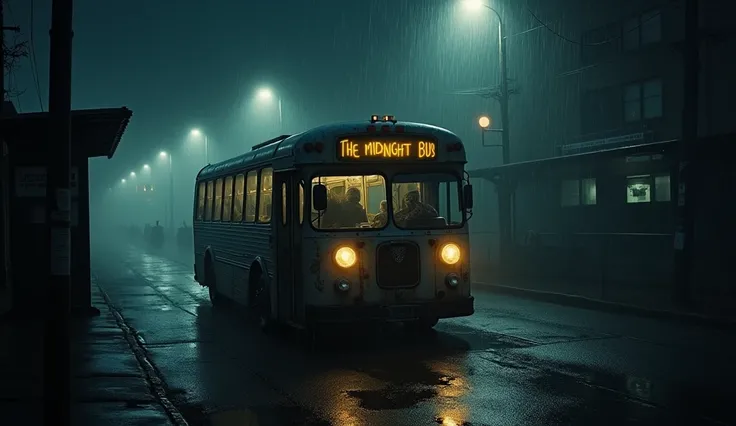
(109, 386)
(610, 306)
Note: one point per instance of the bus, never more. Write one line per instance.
(354, 222)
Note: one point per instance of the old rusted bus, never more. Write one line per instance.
(262, 237)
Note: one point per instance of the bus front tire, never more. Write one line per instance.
(211, 283)
(263, 305)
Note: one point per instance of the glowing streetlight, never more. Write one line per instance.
(146, 167)
(162, 154)
(132, 174)
(265, 94)
(122, 180)
(196, 133)
(473, 4)
(484, 122)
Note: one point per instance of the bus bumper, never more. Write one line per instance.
(406, 312)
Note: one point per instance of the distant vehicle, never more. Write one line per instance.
(300, 228)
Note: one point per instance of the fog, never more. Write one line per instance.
(435, 62)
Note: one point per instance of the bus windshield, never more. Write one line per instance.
(426, 201)
(353, 202)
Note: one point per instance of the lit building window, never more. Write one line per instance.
(638, 189)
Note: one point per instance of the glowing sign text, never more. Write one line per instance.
(349, 149)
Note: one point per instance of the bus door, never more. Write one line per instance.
(288, 246)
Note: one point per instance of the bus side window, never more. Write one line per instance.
(218, 199)
(265, 197)
(239, 198)
(301, 202)
(251, 193)
(201, 192)
(227, 200)
(210, 199)
(283, 203)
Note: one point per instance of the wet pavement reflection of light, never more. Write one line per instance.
(497, 367)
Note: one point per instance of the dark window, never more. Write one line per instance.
(642, 29)
(576, 192)
(643, 101)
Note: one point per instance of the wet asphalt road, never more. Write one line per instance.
(515, 362)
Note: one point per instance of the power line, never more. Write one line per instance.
(600, 43)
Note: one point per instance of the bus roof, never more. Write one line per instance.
(288, 150)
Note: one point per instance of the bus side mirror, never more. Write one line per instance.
(319, 197)
(468, 196)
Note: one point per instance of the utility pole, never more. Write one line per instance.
(687, 171)
(171, 194)
(505, 190)
(58, 200)
(2, 57)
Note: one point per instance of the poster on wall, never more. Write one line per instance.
(31, 182)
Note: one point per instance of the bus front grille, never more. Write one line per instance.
(398, 265)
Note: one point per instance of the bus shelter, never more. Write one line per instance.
(95, 133)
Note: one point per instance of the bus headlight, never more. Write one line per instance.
(345, 257)
(342, 285)
(450, 253)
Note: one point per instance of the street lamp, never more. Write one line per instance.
(485, 122)
(122, 180)
(146, 167)
(164, 155)
(265, 94)
(196, 133)
(132, 174)
(475, 5)
(505, 201)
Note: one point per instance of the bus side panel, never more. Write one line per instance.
(236, 246)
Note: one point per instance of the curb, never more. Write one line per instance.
(588, 303)
(157, 384)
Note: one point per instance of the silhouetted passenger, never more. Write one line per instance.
(353, 213)
(381, 218)
(414, 211)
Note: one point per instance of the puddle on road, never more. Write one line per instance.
(409, 382)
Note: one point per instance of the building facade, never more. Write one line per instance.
(626, 90)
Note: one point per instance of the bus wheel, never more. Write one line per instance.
(421, 325)
(211, 283)
(263, 305)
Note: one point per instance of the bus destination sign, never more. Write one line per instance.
(357, 149)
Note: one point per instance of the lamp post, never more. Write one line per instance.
(265, 94)
(198, 134)
(163, 155)
(504, 94)
(505, 192)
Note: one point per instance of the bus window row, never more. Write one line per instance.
(240, 198)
